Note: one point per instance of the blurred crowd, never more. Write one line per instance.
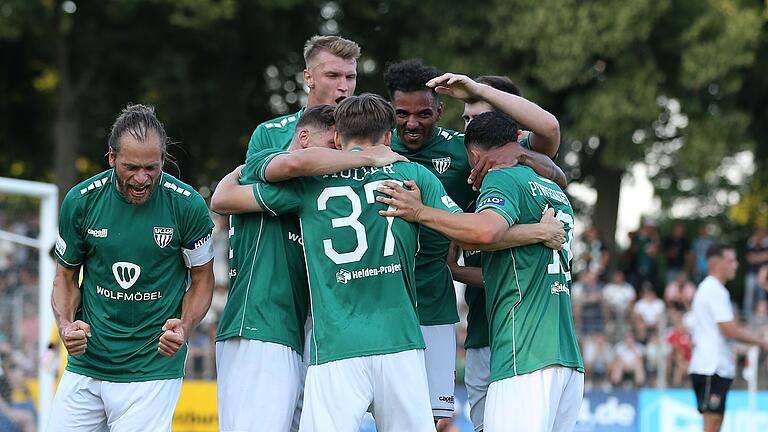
(630, 309)
(18, 323)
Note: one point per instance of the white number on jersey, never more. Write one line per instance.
(353, 222)
(555, 267)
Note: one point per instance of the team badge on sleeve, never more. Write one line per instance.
(163, 236)
(441, 164)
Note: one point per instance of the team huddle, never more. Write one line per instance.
(348, 221)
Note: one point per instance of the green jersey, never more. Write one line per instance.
(260, 306)
(528, 287)
(275, 133)
(445, 156)
(360, 264)
(135, 261)
(477, 320)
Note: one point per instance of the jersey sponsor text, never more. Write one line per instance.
(344, 275)
(128, 296)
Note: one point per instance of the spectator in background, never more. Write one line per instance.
(676, 249)
(649, 311)
(656, 352)
(679, 292)
(756, 257)
(618, 296)
(682, 346)
(699, 248)
(591, 253)
(598, 356)
(588, 304)
(643, 251)
(628, 361)
(12, 416)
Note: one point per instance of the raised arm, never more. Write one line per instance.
(545, 128)
(319, 161)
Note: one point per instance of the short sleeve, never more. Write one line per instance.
(280, 198)
(721, 308)
(259, 141)
(196, 233)
(70, 244)
(501, 193)
(433, 193)
(256, 165)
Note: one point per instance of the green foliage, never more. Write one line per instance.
(680, 85)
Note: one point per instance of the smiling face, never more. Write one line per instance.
(417, 113)
(330, 79)
(138, 166)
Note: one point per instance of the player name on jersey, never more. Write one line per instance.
(360, 174)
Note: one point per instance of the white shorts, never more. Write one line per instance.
(477, 377)
(84, 404)
(547, 400)
(337, 394)
(257, 386)
(440, 363)
(304, 367)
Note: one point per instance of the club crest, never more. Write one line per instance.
(441, 164)
(163, 236)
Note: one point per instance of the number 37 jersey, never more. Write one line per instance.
(360, 264)
(528, 288)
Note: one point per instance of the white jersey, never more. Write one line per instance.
(711, 352)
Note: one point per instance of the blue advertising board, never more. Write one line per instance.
(609, 411)
(675, 411)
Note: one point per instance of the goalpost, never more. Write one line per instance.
(49, 196)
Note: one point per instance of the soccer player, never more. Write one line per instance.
(260, 335)
(479, 98)
(330, 74)
(537, 374)
(712, 367)
(367, 347)
(143, 240)
(441, 151)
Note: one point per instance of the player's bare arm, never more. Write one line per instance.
(472, 231)
(319, 161)
(65, 302)
(545, 128)
(230, 197)
(734, 331)
(465, 274)
(195, 305)
(510, 155)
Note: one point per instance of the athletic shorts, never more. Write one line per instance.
(84, 404)
(546, 400)
(711, 391)
(337, 394)
(440, 363)
(257, 385)
(477, 377)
